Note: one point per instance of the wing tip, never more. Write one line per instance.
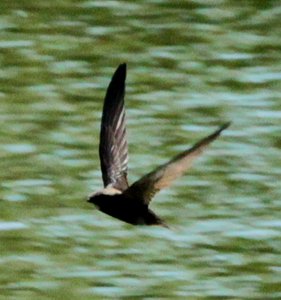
(223, 127)
(214, 135)
(210, 138)
(119, 76)
(121, 71)
(123, 65)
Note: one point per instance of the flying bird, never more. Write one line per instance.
(130, 203)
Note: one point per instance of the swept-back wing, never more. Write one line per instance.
(145, 188)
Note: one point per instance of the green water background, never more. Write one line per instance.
(192, 65)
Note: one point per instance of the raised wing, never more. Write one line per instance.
(113, 149)
(145, 188)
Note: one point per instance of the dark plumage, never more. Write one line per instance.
(118, 199)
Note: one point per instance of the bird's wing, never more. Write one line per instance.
(145, 188)
(113, 149)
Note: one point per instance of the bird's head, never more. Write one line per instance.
(98, 197)
(95, 197)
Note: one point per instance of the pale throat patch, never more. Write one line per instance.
(109, 190)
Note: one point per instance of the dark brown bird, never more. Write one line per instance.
(117, 199)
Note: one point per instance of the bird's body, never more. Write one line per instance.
(126, 209)
(119, 200)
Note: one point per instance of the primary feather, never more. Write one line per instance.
(113, 149)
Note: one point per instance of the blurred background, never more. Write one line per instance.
(192, 65)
